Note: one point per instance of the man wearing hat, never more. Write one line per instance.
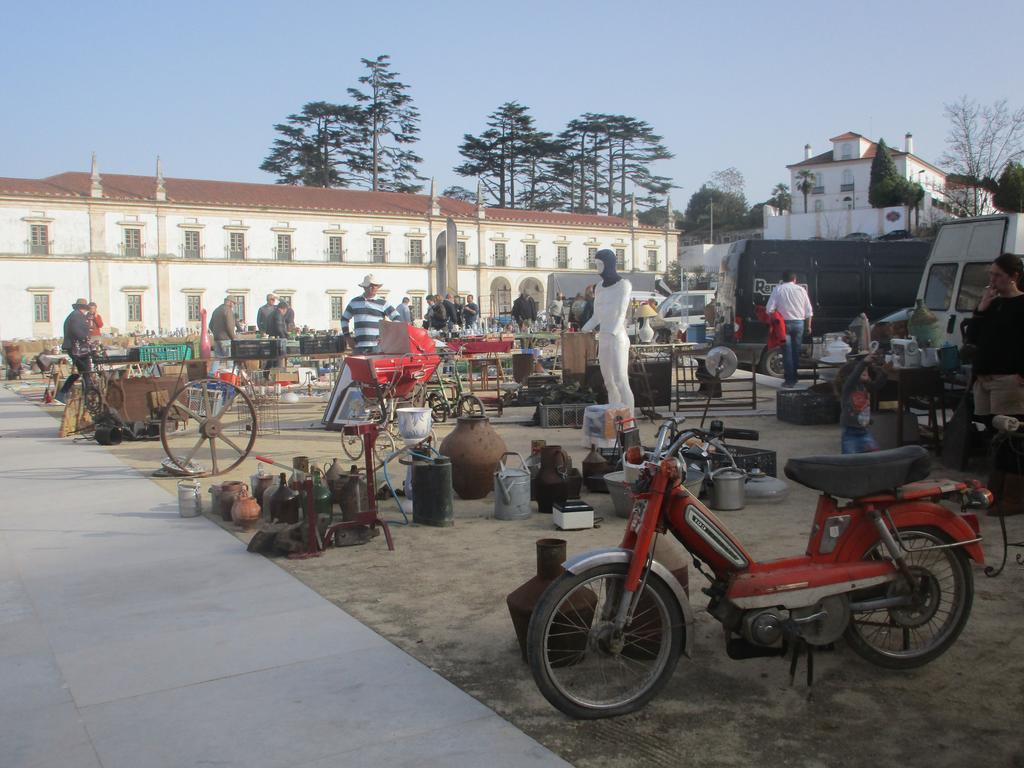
(76, 344)
(366, 311)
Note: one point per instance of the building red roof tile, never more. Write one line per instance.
(281, 196)
(846, 136)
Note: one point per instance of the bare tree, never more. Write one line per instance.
(982, 139)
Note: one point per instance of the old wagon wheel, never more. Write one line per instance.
(210, 426)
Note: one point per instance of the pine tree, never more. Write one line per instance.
(390, 124)
(316, 147)
(1009, 195)
(886, 187)
(510, 157)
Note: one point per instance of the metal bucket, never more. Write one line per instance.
(728, 489)
(190, 500)
(511, 490)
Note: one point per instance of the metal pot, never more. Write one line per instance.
(728, 489)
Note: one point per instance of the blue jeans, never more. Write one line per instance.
(858, 440)
(791, 350)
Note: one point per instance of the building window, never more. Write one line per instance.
(132, 242)
(819, 205)
(819, 185)
(193, 305)
(191, 247)
(283, 252)
(620, 258)
(563, 257)
(38, 239)
(591, 254)
(236, 245)
(531, 256)
(652, 261)
(416, 304)
(336, 307)
(847, 183)
(460, 254)
(239, 300)
(41, 307)
(415, 251)
(847, 152)
(334, 251)
(500, 259)
(378, 253)
(134, 307)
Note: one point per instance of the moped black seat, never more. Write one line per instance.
(851, 476)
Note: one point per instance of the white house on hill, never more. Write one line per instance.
(837, 204)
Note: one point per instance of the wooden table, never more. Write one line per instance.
(925, 383)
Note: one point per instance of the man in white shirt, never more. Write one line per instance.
(793, 303)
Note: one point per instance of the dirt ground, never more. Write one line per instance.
(440, 596)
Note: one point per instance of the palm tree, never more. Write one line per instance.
(781, 197)
(805, 184)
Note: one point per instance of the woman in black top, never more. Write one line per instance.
(997, 331)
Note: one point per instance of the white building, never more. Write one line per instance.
(838, 202)
(152, 252)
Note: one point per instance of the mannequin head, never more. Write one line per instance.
(604, 263)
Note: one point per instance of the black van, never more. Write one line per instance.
(842, 277)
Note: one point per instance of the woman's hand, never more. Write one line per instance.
(986, 298)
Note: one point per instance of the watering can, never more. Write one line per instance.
(511, 490)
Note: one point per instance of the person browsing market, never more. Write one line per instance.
(365, 312)
(792, 302)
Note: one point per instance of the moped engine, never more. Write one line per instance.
(763, 627)
(825, 622)
(819, 624)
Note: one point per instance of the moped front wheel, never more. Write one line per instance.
(911, 636)
(578, 662)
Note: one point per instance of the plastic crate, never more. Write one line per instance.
(320, 345)
(801, 406)
(257, 349)
(748, 458)
(165, 353)
(562, 415)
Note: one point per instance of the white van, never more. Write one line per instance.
(957, 268)
(680, 311)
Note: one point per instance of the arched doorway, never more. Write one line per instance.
(535, 290)
(500, 298)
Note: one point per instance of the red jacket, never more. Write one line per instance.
(776, 327)
(95, 324)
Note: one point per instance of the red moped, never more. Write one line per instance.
(889, 570)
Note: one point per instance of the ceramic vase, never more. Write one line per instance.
(474, 449)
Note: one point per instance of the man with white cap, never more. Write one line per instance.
(366, 312)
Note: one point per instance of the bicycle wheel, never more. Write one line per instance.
(910, 636)
(469, 405)
(352, 445)
(438, 407)
(577, 663)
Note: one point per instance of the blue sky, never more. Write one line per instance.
(739, 84)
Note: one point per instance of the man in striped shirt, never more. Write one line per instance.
(366, 312)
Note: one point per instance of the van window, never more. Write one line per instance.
(840, 289)
(972, 283)
(893, 289)
(986, 240)
(939, 288)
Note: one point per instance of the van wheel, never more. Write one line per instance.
(771, 363)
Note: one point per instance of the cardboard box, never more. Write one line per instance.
(283, 376)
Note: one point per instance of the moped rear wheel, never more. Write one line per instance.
(576, 662)
(908, 637)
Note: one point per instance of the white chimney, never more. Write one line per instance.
(807, 151)
(909, 143)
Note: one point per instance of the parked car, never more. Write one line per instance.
(682, 312)
(896, 234)
(857, 236)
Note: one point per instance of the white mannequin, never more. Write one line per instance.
(611, 302)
